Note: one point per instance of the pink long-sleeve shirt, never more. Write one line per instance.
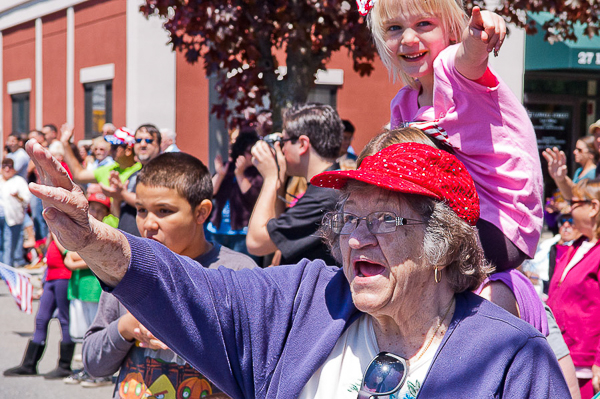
(493, 136)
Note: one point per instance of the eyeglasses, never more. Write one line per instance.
(148, 141)
(578, 202)
(565, 219)
(6, 166)
(385, 375)
(292, 139)
(377, 222)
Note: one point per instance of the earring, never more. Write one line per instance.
(437, 275)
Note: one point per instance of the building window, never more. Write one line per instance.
(20, 112)
(324, 94)
(98, 107)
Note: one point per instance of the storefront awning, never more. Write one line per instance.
(584, 54)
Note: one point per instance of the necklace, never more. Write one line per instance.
(436, 331)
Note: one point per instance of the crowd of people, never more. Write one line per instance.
(261, 280)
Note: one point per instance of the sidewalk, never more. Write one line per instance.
(16, 328)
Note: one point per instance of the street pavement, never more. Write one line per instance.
(16, 328)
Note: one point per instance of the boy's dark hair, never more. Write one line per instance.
(320, 123)
(242, 143)
(153, 131)
(181, 172)
(9, 162)
(348, 126)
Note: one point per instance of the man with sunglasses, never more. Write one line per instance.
(309, 144)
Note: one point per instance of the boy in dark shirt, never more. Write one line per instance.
(174, 194)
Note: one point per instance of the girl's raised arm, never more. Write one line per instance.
(485, 33)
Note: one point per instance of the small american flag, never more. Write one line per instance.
(20, 287)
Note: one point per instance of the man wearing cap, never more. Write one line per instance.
(147, 142)
(121, 151)
(310, 143)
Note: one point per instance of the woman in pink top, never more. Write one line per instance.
(574, 293)
(450, 93)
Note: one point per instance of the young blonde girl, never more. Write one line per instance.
(441, 55)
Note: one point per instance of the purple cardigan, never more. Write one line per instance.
(576, 304)
(276, 326)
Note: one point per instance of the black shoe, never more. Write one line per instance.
(33, 354)
(64, 362)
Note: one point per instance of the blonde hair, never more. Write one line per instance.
(589, 190)
(403, 135)
(450, 12)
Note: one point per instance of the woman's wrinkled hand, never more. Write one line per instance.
(65, 205)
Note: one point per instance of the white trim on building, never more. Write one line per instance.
(18, 86)
(151, 69)
(1, 92)
(97, 73)
(70, 96)
(39, 76)
(16, 12)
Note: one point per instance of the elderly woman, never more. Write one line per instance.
(574, 294)
(410, 257)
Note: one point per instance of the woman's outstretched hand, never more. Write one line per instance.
(105, 250)
(65, 205)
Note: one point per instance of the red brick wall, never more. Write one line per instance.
(365, 101)
(101, 38)
(192, 108)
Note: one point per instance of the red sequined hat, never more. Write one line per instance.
(414, 168)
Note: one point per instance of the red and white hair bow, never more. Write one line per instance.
(364, 6)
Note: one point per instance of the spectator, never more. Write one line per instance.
(39, 137)
(168, 141)
(586, 155)
(147, 147)
(347, 159)
(15, 197)
(574, 294)
(54, 298)
(84, 293)
(17, 154)
(101, 152)
(310, 143)
(121, 151)
(180, 184)
(236, 185)
(280, 328)
(50, 133)
(108, 129)
(39, 224)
